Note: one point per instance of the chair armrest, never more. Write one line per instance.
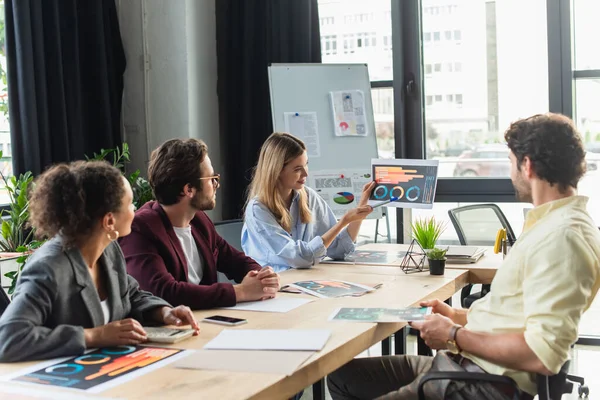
(466, 376)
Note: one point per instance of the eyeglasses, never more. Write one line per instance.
(216, 179)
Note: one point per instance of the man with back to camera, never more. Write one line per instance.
(527, 323)
(174, 250)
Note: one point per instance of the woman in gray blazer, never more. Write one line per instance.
(74, 292)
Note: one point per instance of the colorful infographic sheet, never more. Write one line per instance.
(407, 314)
(325, 289)
(412, 182)
(99, 369)
(342, 188)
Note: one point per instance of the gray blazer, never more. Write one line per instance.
(56, 299)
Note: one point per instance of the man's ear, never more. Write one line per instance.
(188, 190)
(527, 167)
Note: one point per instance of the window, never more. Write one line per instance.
(428, 69)
(585, 31)
(329, 45)
(437, 67)
(436, 36)
(327, 21)
(475, 112)
(427, 37)
(429, 100)
(350, 41)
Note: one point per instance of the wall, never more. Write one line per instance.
(171, 76)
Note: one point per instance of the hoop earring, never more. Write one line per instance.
(110, 236)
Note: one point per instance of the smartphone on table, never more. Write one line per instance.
(223, 320)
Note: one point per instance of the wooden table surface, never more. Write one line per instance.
(348, 339)
(483, 271)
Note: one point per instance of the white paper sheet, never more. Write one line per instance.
(304, 126)
(348, 108)
(270, 339)
(25, 392)
(342, 189)
(269, 362)
(278, 304)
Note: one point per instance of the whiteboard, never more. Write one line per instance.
(305, 90)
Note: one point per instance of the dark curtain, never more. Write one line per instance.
(65, 80)
(251, 34)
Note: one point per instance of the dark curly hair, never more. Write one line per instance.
(553, 146)
(70, 199)
(174, 164)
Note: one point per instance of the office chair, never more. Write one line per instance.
(4, 301)
(231, 231)
(549, 387)
(477, 225)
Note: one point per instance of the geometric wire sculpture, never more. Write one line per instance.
(414, 260)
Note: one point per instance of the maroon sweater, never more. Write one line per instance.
(156, 260)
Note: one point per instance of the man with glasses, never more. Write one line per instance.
(174, 250)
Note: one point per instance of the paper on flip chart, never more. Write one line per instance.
(270, 339)
(278, 304)
(269, 362)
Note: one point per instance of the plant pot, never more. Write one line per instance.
(436, 267)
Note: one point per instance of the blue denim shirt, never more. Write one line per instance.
(268, 243)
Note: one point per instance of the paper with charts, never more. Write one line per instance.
(349, 118)
(342, 189)
(370, 257)
(413, 182)
(407, 314)
(332, 288)
(100, 369)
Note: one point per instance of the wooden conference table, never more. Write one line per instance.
(483, 271)
(347, 340)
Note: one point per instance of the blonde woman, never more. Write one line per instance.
(288, 225)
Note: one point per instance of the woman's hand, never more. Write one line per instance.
(357, 214)
(180, 315)
(117, 333)
(366, 193)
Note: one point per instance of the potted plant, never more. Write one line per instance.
(142, 191)
(426, 232)
(16, 237)
(437, 261)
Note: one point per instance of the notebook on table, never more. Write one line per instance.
(464, 254)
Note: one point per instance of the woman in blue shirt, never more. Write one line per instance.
(288, 225)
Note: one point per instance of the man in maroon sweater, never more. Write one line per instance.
(174, 251)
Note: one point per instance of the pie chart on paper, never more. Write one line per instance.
(343, 198)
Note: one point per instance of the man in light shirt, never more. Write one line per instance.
(174, 250)
(527, 323)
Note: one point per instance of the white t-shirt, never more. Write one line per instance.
(105, 311)
(194, 261)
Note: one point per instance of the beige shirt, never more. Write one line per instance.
(548, 279)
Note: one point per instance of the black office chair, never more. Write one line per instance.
(549, 387)
(477, 225)
(4, 301)
(231, 231)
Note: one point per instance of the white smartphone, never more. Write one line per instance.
(223, 320)
(167, 335)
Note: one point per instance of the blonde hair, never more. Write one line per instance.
(278, 150)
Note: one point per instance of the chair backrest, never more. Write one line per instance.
(231, 231)
(478, 224)
(4, 301)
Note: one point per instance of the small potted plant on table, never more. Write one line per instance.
(437, 261)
